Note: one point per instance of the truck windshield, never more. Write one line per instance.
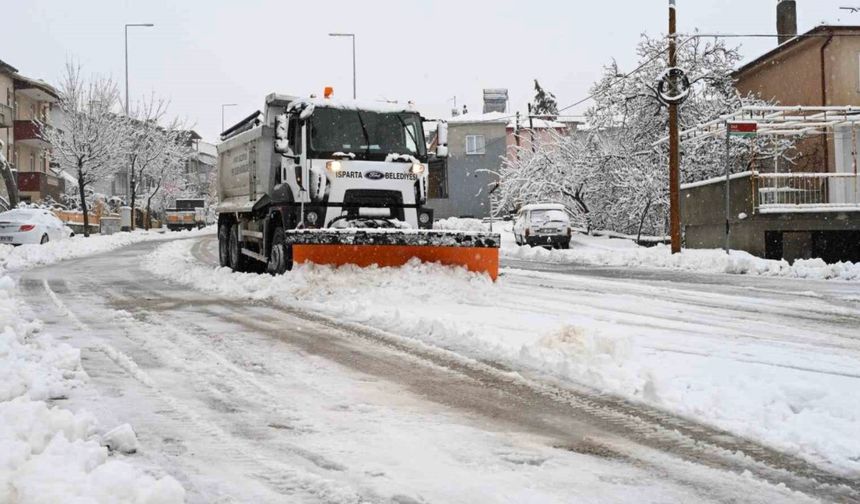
(368, 135)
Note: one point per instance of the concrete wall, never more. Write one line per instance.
(467, 186)
(791, 235)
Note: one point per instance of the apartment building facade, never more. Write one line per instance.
(26, 105)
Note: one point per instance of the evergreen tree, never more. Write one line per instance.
(544, 103)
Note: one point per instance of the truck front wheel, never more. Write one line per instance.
(224, 245)
(281, 257)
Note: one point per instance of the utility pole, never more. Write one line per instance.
(223, 106)
(130, 172)
(674, 141)
(531, 128)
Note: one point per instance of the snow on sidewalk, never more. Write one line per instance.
(606, 251)
(706, 362)
(600, 251)
(48, 453)
(28, 256)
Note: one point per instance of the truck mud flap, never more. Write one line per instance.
(477, 252)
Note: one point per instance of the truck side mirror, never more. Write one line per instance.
(282, 134)
(441, 139)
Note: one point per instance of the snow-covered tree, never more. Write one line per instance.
(545, 103)
(87, 139)
(144, 145)
(166, 177)
(618, 167)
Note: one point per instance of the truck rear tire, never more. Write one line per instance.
(238, 261)
(281, 256)
(224, 245)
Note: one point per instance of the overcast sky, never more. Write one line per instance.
(203, 53)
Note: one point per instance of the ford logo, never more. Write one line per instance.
(374, 175)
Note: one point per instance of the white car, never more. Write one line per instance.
(544, 225)
(22, 226)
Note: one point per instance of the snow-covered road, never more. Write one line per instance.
(251, 401)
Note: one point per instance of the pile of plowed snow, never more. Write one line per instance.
(602, 251)
(582, 332)
(48, 453)
(27, 256)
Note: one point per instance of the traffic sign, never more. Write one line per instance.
(743, 129)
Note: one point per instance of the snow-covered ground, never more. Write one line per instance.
(780, 369)
(49, 453)
(609, 251)
(28, 256)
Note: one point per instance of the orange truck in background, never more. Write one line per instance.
(187, 214)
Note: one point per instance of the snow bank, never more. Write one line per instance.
(458, 224)
(387, 298)
(558, 327)
(601, 251)
(47, 453)
(27, 256)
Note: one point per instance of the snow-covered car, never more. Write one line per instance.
(22, 226)
(543, 224)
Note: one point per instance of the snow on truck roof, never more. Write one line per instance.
(364, 105)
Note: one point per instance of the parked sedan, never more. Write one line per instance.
(22, 226)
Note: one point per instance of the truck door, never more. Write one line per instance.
(298, 175)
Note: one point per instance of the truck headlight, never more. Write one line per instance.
(417, 169)
(312, 218)
(334, 166)
(424, 218)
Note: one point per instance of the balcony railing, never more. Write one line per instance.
(806, 192)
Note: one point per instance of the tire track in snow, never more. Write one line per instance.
(647, 426)
(284, 479)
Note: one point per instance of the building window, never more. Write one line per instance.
(437, 179)
(32, 162)
(475, 145)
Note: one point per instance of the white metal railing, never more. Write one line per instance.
(807, 192)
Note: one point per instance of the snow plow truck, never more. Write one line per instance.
(334, 182)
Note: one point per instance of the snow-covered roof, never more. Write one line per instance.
(537, 124)
(544, 206)
(370, 106)
(207, 148)
(476, 118)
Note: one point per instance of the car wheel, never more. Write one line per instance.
(44, 239)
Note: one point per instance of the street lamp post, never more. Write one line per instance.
(352, 36)
(128, 173)
(223, 106)
(147, 25)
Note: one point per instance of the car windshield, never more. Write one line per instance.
(368, 135)
(540, 216)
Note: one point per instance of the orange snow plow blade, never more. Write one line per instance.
(477, 252)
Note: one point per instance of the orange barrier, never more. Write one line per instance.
(476, 259)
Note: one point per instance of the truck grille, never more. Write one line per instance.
(354, 199)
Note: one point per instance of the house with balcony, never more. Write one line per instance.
(26, 105)
(808, 207)
(34, 101)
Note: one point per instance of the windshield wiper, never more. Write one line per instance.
(364, 130)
